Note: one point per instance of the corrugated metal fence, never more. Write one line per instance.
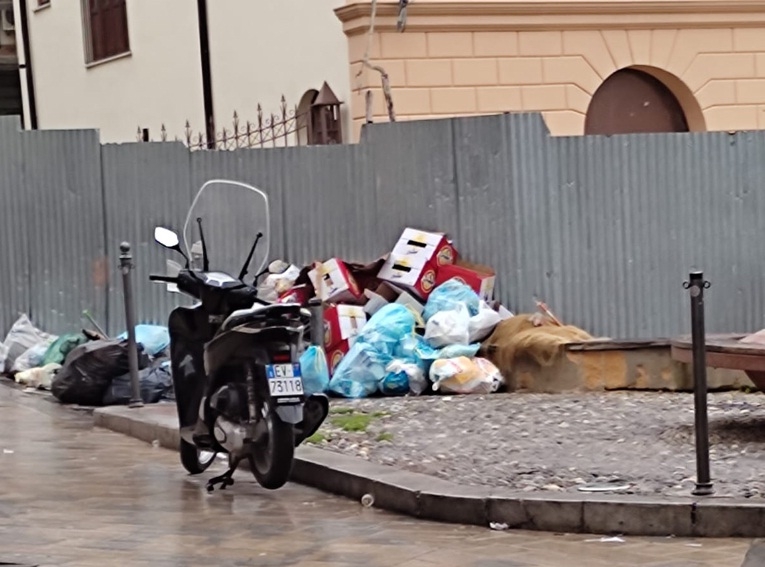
(604, 229)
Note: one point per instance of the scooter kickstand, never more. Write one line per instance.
(225, 479)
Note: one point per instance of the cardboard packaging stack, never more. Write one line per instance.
(419, 261)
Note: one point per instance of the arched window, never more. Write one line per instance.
(631, 101)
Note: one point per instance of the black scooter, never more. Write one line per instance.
(237, 379)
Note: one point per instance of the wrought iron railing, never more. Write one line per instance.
(286, 128)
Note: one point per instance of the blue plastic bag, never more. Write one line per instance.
(448, 296)
(425, 355)
(313, 366)
(455, 351)
(395, 384)
(362, 372)
(388, 328)
(154, 338)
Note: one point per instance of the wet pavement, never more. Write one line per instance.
(78, 496)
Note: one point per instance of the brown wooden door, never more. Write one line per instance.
(634, 101)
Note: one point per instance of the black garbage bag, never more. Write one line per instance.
(89, 370)
(156, 381)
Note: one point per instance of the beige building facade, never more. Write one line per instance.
(456, 58)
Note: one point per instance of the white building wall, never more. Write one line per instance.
(261, 50)
(159, 82)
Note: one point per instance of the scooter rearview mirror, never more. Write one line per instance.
(169, 239)
(166, 237)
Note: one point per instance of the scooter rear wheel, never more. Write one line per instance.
(194, 460)
(271, 464)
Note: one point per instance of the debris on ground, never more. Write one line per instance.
(85, 368)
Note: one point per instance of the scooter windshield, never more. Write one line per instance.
(232, 214)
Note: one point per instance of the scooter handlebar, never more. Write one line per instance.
(166, 279)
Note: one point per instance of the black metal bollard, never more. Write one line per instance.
(126, 264)
(696, 285)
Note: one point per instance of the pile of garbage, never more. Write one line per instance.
(409, 323)
(418, 320)
(86, 367)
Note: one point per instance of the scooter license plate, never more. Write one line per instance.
(284, 380)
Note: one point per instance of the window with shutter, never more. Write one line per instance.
(107, 29)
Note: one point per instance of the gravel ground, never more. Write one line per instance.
(561, 442)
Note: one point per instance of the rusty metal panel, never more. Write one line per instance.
(64, 221)
(14, 277)
(145, 185)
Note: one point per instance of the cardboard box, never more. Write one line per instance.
(379, 297)
(334, 283)
(480, 278)
(387, 293)
(341, 325)
(416, 259)
(428, 246)
(298, 294)
(365, 275)
(411, 302)
(335, 356)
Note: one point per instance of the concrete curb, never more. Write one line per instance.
(431, 498)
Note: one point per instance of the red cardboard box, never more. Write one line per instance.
(480, 278)
(416, 259)
(334, 283)
(298, 294)
(341, 325)
(335, 356)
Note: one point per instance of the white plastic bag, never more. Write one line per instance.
(33, 357)
(22, 336)
(491, 372)
(449, 327)
(40, 378)
(482, 324)
(465, 376)
(3, 357)
(277, 283)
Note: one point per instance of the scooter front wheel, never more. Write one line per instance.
(271, 463)
(194, 460)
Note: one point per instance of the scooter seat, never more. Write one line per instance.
(259, 312)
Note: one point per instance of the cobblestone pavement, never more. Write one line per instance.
(559, 442)
(77, 496)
